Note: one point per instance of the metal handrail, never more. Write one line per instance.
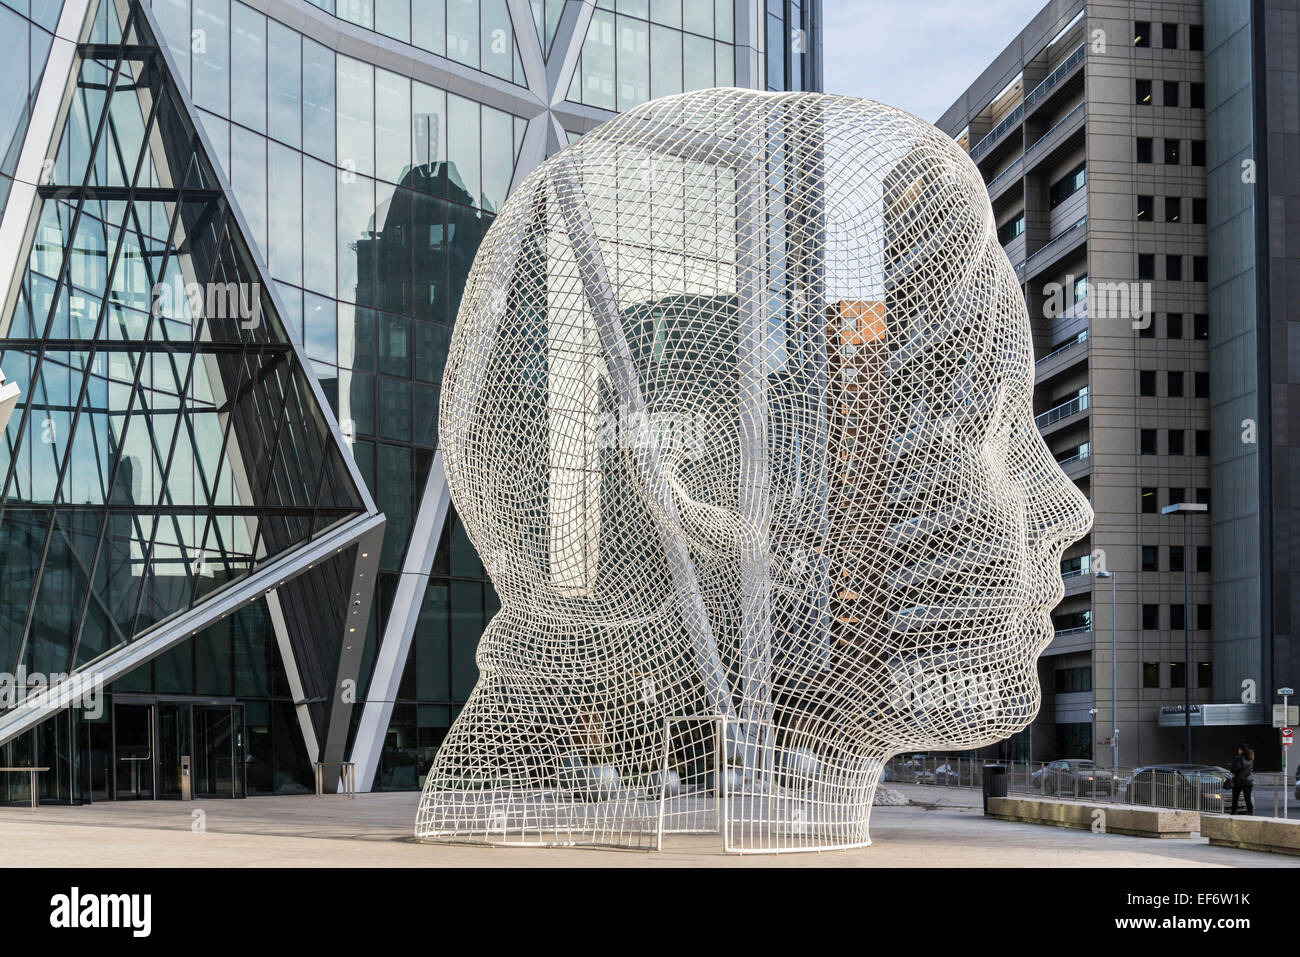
(1073, 60)
(1078, 224)
(1008, 121)
(1078, 340)
(31, 771)
(1055, 126)
(1062, 411)
(1017, 165)
(1083, 453)
(1076, 630)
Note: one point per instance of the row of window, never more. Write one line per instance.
(1177, 674)
(1144, 92)
(1174, 326)
(1171, 558)
(1175, 384)
(1143, 32)
(1173, 209)
(1174, 444)
(1171, 151)
(1175, 618)
(1174, 271)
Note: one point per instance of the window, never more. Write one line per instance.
(1074, 680)
(1150, 674)
(1145, 207)
(1199, 209)
(1143, 92)
(1068, 185)
(1169, 36)
(1171, 152)
(1148, 329)
(1150, 617)
(1202, 385)
(1175, 383)
(1144, 149)
(1146, 382)
(1150, 500)
(1170, 92)
(1177, 669)
(1196, 37)
(1176, 442)
(1203, 562)
(1202, 442)
(1148, 441)
(1204, 618)
(1150, 558)
(1196, 96)
(1173, 268)
(1204, 669)
(1176, 561)
(1142, 33)
(1146, 266)
(1203, 497)
(1011, 229)
(1173, 209)
(1200, 269)
(1198, 152)
(1201, 326)
(1173, 326)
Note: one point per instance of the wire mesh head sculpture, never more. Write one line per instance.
(738, 414)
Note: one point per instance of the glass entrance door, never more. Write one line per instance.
(173, 742)
(219, 750)
(133, 751)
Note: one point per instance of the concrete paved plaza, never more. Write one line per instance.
(944, 827)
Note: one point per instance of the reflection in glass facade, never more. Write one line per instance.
(168, 443)
(366, 181)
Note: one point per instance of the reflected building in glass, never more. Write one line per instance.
(358, 149)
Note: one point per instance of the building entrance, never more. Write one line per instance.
(152, 735)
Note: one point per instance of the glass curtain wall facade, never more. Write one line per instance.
(367, 179)
(168, 443)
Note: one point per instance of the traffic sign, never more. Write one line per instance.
(1284, 715)
(1286, 737)
(1286, 692)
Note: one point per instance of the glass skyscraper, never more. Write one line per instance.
(192, 507)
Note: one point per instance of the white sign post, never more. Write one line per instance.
(1286, 742)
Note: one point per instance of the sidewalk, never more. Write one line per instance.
(944, 827)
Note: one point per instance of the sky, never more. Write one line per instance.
(918, 55)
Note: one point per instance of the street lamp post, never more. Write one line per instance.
(1184, 509)
(1114, 683)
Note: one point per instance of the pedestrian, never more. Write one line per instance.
(1243, 777)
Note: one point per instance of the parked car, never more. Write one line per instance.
(912, 770)
(946, 775)
(1073, 776)
(1191, 786)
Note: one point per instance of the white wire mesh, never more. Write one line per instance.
(738, 412)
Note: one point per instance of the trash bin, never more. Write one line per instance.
(995, 783)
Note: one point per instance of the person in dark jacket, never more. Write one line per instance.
(1243, 777)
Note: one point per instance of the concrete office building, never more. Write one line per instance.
(1138, 157)
(348, 156)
